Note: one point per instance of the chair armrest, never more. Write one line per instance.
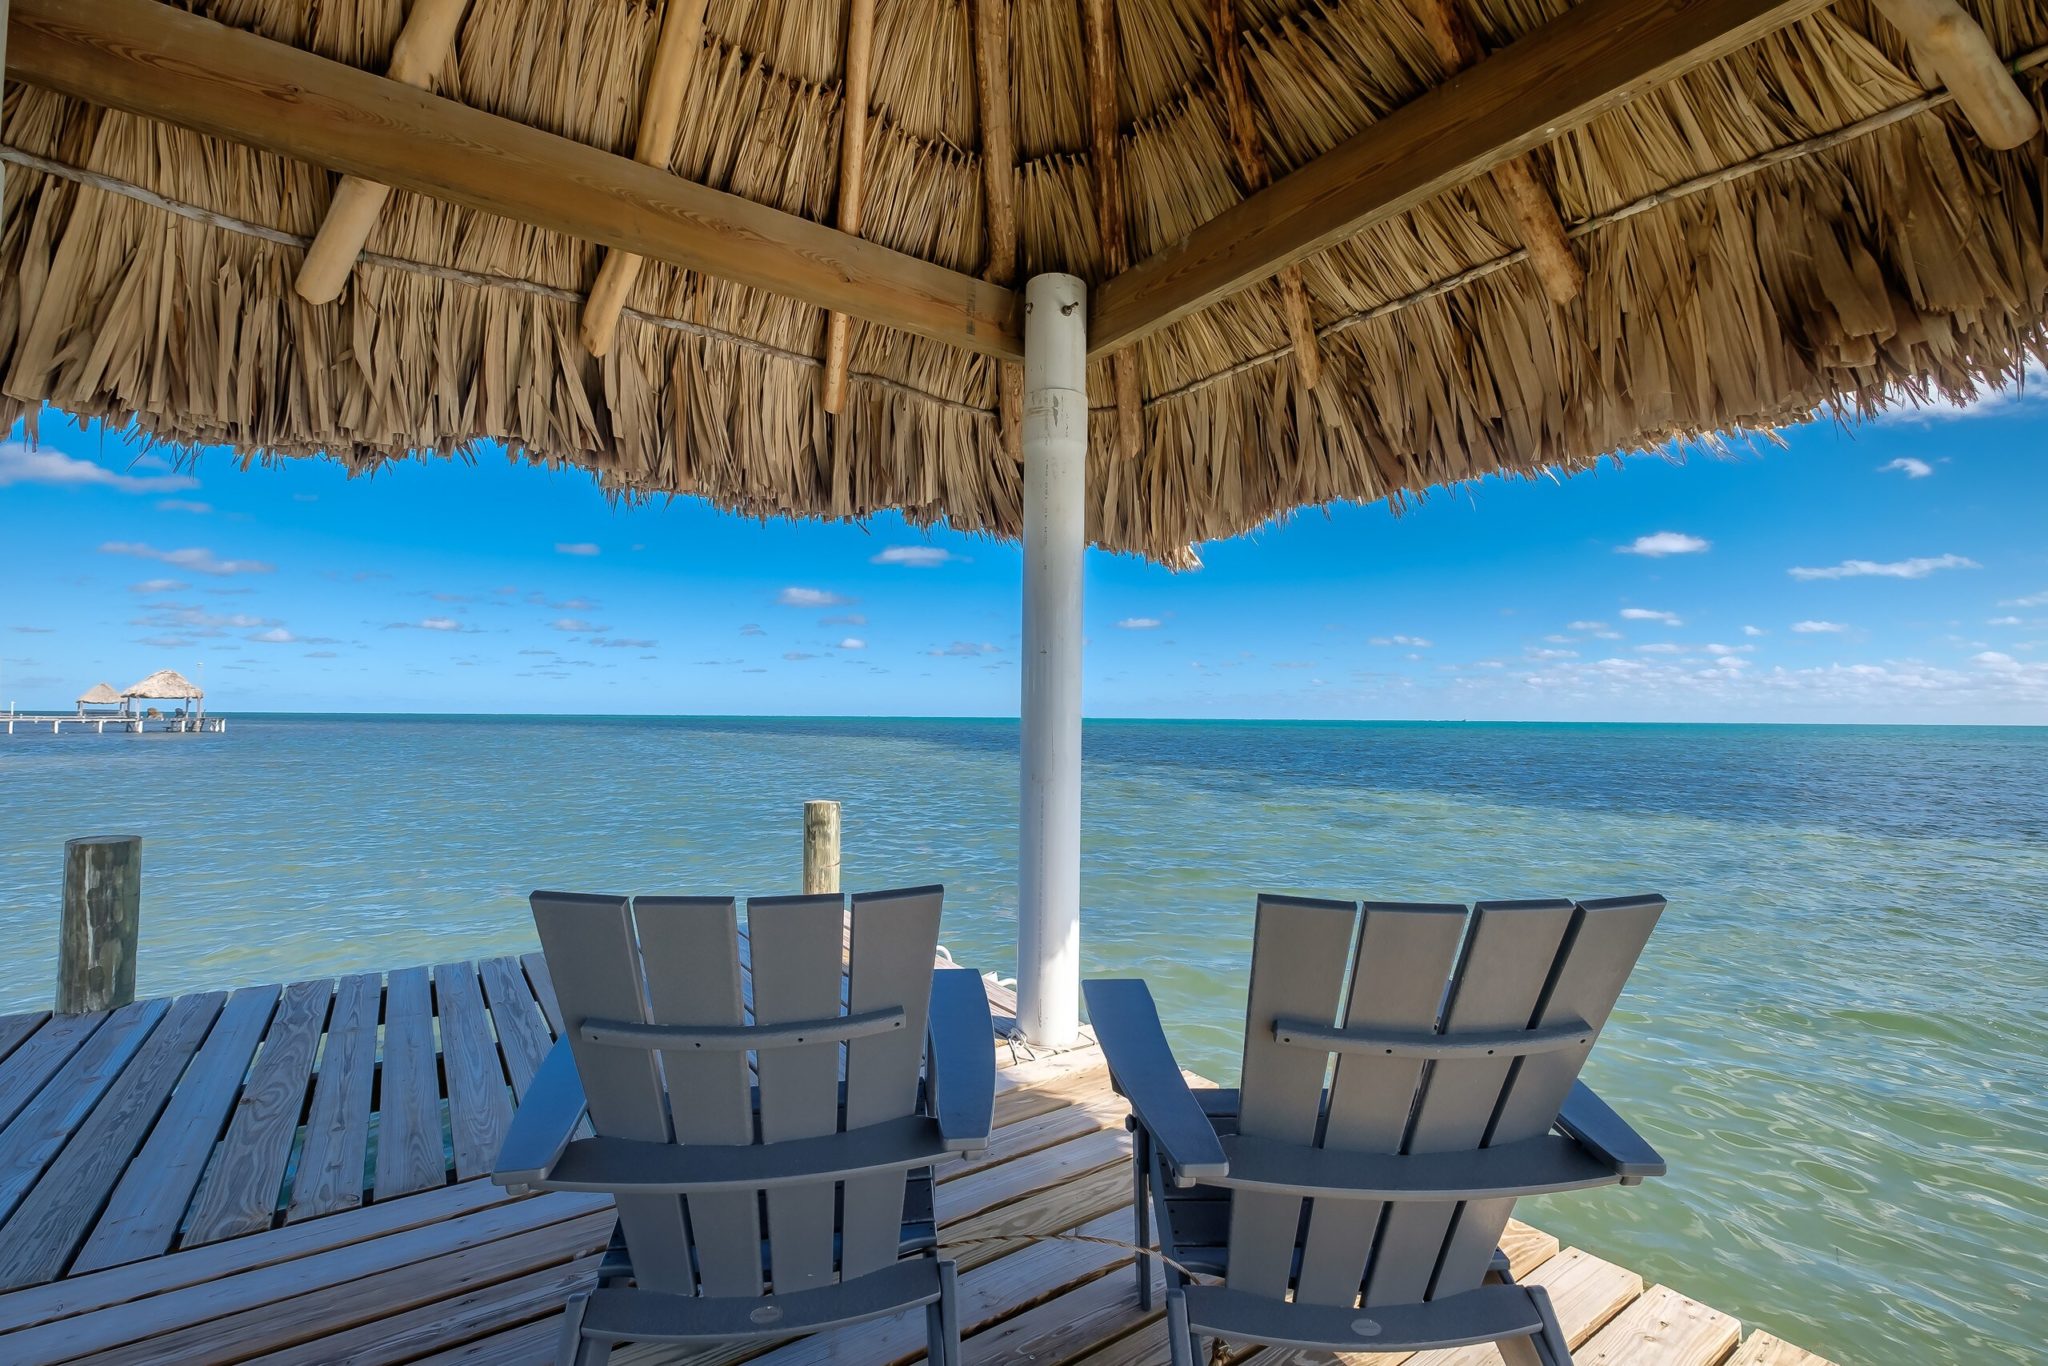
(962, 1059)
(544, 1123)
(1607, 1136)
(1142, 1069)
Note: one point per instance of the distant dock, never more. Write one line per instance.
(129, 725)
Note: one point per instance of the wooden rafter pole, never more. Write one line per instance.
(999, 190)
(661, 117)
(1099, 36)
(1594, 56)
(853, 151)
(1955, 45)
(1226, 46)
(162, 62)
(1536, 218)
(422, 48)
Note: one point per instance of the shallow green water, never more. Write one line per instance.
(1836, 1036)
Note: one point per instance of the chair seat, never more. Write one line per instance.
(1488, 1314)
(651, 1316)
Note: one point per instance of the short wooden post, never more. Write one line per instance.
(821, 847)
(102, 911)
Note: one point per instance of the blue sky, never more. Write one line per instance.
(1894, 571)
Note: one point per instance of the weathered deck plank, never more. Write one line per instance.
(55, 1216)
(330, 1174)
(465, 1273)
(239, 1192)
(141, 1220)
(409, 1152)
(37, 1059)
(40, 1129)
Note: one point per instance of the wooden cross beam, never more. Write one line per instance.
(1955, 45)
(853, 152)
(161, 62)
(1587, 60)
(661, 116)
(999, 190)
(423, 46)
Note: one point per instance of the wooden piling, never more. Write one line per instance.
(821, 847)
(102, 912)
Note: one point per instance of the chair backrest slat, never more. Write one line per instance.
(1498, 984)
(895, 938)
(1300, 948)
(691, 949)
(1404, 957)
(798, 945)
(595, 965)
(1599, 951)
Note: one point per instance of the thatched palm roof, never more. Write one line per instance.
(165, 683)
(100, 695)
(1803, 221)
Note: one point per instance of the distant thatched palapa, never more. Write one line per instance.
(102, 695)
(165, 683)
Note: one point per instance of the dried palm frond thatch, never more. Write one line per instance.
(1805, 224)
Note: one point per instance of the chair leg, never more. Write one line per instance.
(1556, 1348)
(946, 1325)
(1141, 1209)
(573, 1349)
(1180, 1340)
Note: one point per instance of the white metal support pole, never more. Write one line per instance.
(1049, 828)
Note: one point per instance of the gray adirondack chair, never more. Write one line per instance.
(766, 1125)
(1363, 1213)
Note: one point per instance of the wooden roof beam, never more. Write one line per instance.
(1536, 219)
(1955, 45)
(423, 46)
(1226, 45)
(1098, 23)
(853, 169)
(999, 191)
(161, 62)
(1592, 57)
(661, 116)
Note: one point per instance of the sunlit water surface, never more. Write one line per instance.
(1836, 1036)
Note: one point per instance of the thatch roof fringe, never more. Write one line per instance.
(1777, 156)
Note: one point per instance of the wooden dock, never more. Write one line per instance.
(292, 1174)
(121, 725)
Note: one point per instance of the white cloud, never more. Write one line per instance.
(1647, 614)
(276, 635)
(844, 619)
(159, 586)
(1662, 648)
(1731, 649)
(2031, 600)
(22, 464)
(1992, 400)
(1917, 568)
(794, 655)
(1139, 623)
(194, 559)
(576, 548)
(577, 624)
(964, 649)
(1553, 654)
(182, 505)
(1754, 631)
(750, 629)
(1599, 630)
(811, 597)
(1409, 642)
(1907, 465)
(2006, 621)
(916, 556)
(853, 643)
(1817, 628)
(1661, 543)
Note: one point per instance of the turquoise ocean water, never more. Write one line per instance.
(1837, 1035)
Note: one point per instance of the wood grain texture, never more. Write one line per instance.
(853, 154)
(54, 1218)
(141, 1218)
(410, 1156)
(992, 93)
(1662, 1326)
(34, 1136)
(522, 1033)
(158, 61)
(37, 1059)
(330, 1170)
(102, 914)
(240, 1190)
(479, 1098)
(1762, 1349)
(1594, 56)
(661, 116)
